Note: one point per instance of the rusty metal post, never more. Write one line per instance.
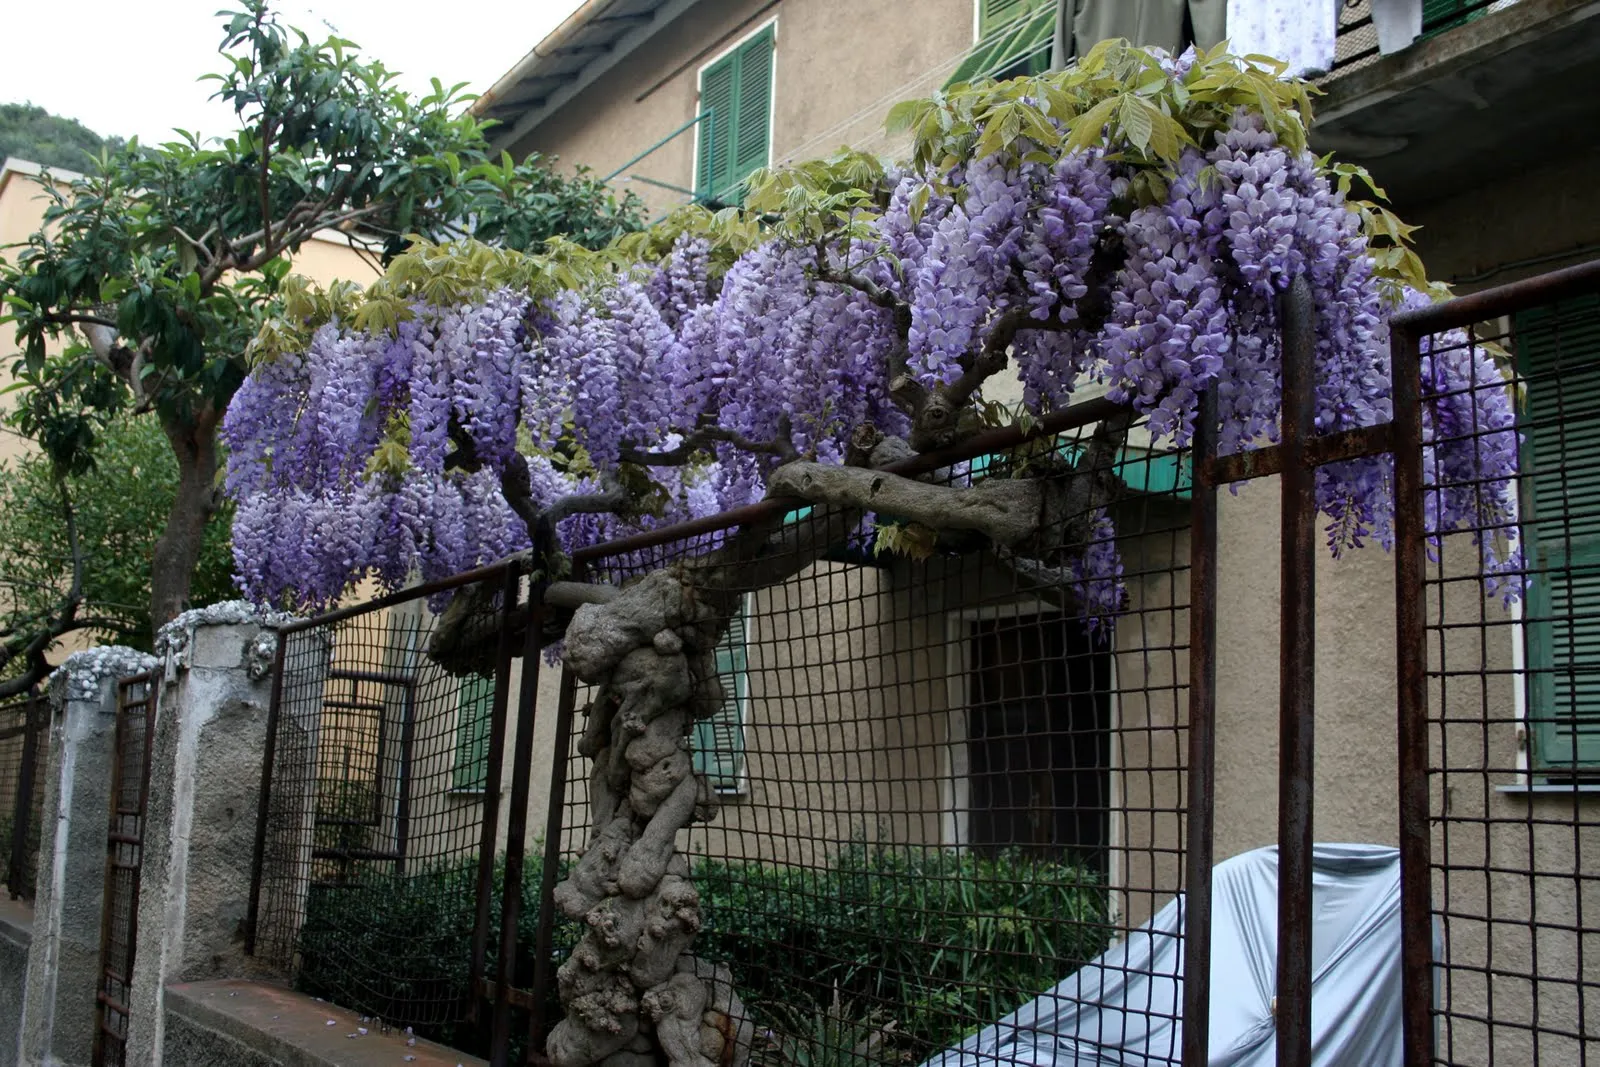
(408, 734)
(517, 819)
(1296, 679)
(268, 757)
(538, 1025)
(35, 719)
(510, 579)
(1410, 562)
(1202, 740)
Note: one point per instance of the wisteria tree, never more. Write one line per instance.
(1130, 221)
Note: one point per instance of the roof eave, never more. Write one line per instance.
(508, 100)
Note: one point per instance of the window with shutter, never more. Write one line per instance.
(719, 740)
(1014, 39)
(1441, 15)
(1558, 350)
(736, 118)
(474, 713)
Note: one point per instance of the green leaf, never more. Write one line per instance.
(1134, 118)
(1088, 128)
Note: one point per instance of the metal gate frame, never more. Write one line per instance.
(119, 907)
(19, 871)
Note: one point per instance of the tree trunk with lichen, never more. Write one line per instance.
(632, 988)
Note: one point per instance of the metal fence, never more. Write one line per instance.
(381, 844)
(942, 786)
(134, 735)
(1499, 803)
(24, 746)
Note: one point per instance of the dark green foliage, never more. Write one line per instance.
(119, 507)
(400, 946)
(30, 132)
(931, 942)
(891, 953)
(392, 946)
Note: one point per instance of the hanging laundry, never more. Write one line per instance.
(1299, 32)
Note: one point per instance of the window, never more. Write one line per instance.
(474, 716)
(719, 740)
(736, 118)
(1014, 39)
(1559, 354)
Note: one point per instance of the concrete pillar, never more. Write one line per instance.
(205, 779)
(58, 1010)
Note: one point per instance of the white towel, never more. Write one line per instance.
(1299, 32)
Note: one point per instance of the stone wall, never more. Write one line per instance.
(16, 935)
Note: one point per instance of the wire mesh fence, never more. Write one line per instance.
(382, 825)
(24, 748)
(1513, 702)
(944, 782)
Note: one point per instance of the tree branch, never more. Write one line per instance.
(79, 318)
(781, 445)
(612, 501)
(199, 244)
(1006, 510)
(266, 163)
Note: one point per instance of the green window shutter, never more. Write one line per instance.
(1441, 15)
(719, 740)
(474, 716)
(993, 14)
(716, 127)
(1558, 352)
(1014, 38)
(736, 100)
(754, 110)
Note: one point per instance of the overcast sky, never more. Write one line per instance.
(129, 68)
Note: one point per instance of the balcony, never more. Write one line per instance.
(1490, 89)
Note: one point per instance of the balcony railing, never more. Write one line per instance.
(1357, 42)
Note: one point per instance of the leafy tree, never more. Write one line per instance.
(1134, 220)
(74, 551)
(156, 269)
(29, 132)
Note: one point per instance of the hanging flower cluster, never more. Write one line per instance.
(1156, 274)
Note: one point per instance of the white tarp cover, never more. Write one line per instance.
(1125, 1007)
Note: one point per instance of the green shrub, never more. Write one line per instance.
(941, 942)
(399, 947)
(905, 949)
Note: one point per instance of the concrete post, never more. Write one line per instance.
(58, 1010)
(205, 777)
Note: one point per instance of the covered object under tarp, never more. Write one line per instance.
(1125, 1007)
